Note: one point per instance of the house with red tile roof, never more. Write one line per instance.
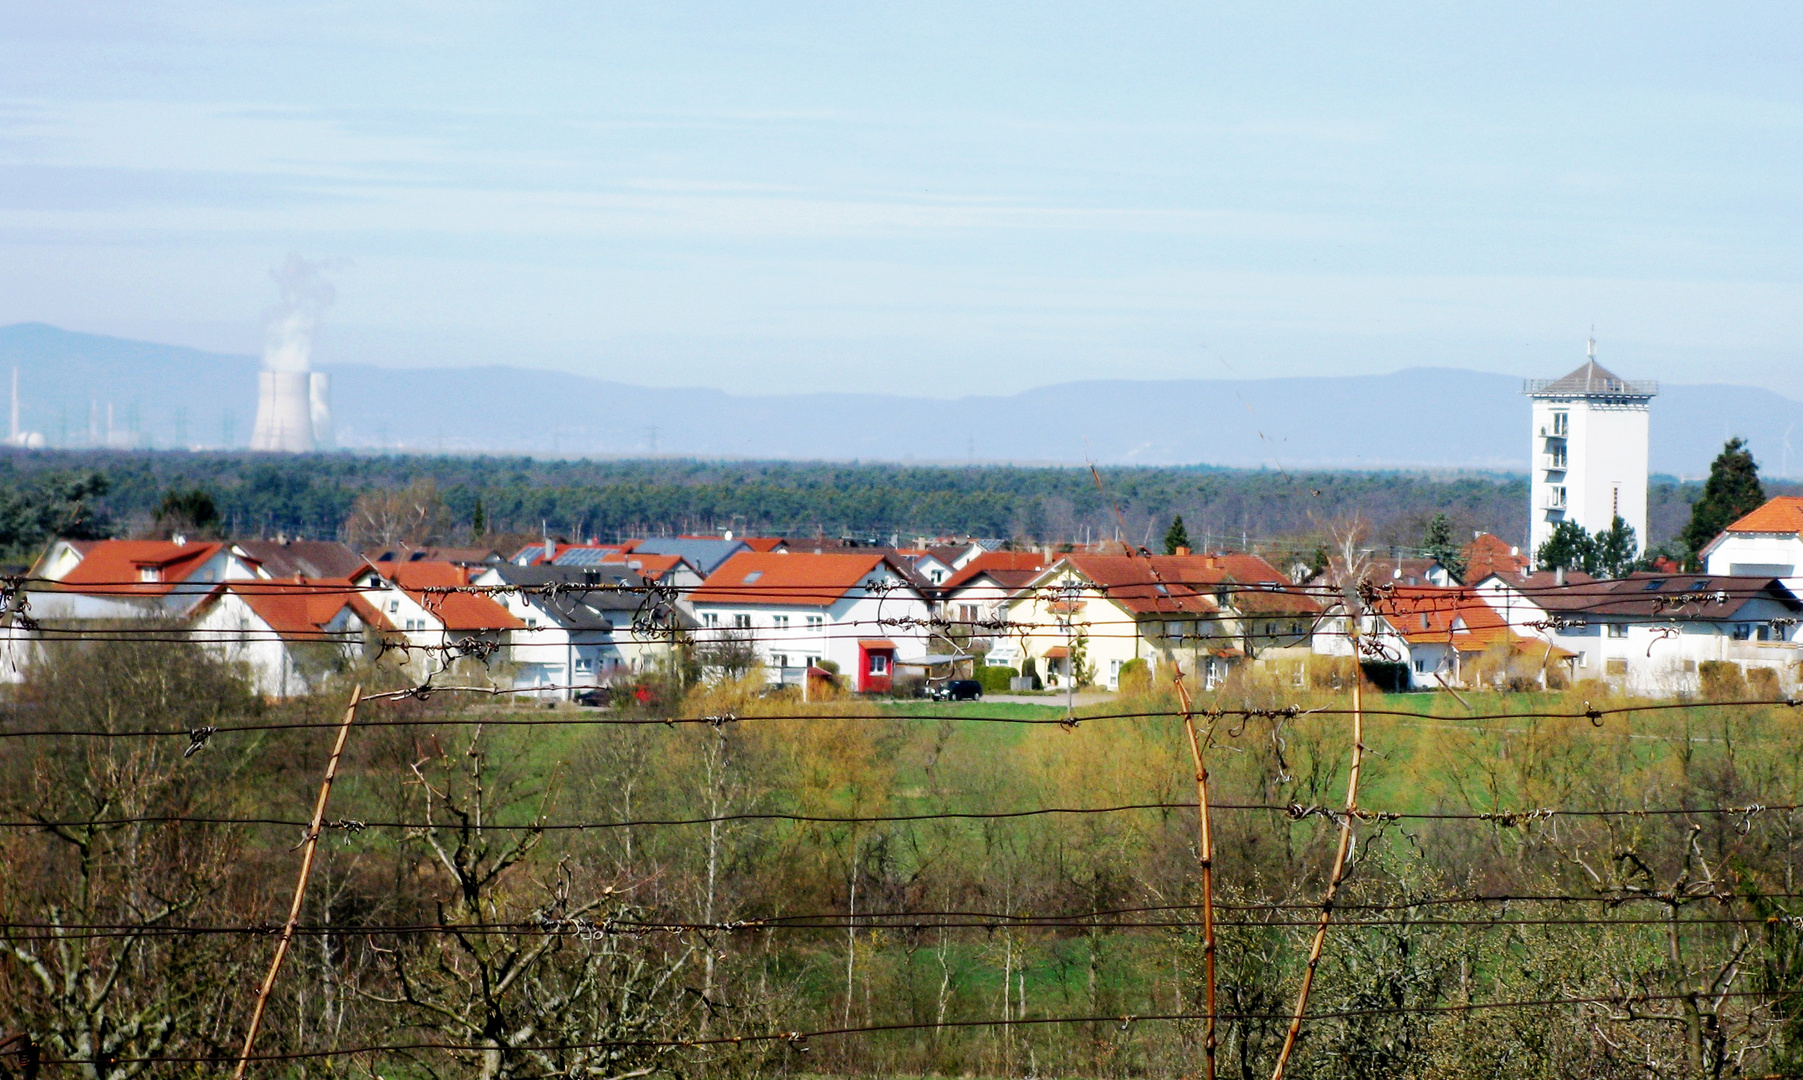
(1489, 554)
(1438, 636)
(131, 579)
(291, 634)
(429, 607)
(859, 609)
(1087, 616)
(1767, 542)
(975, 600)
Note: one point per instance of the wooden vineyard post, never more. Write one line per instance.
(1206, 853)
(311, 844)
(1334, 879)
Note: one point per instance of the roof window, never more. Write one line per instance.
(753, 576)
(1654, 585)
(1702, 583)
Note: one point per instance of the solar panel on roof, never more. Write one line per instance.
(582, 557)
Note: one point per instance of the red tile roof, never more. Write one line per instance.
(1488, 554)
(801, 578)
(117, 566)
(1783, 514)
(1010, 569)
(456, 610)
(1455, 616)
(762, 543)
(298, 609)
(646, 564)
(1155, 584)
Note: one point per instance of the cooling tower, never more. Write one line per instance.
(284, 413)
(319, 409)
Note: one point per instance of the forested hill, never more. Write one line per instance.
(259, 494)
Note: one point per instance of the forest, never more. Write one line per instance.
(313, 496)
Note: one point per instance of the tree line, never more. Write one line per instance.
(120, 493)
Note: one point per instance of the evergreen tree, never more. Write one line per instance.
(1612, 551)
(1568, 548)
(1733, 490)
(1437, 544)
(1176, 536)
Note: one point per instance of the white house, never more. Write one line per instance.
(289, 634)
(131, 579)
(859, 610)
(1765, 543)
(975, 601)
(601, 624)
(440, 624)
(1589, 451)
(1648, 632)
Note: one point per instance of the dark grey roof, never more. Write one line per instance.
(706, 555)
(308, 558)
(1591, 380)
(1659, 597)
(615, 598)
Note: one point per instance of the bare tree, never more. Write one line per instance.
(411, 515)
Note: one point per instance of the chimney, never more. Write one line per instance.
(1559, 575)
(1183, 551)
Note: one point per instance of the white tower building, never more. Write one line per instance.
(1589, 458)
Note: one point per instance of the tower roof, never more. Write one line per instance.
(1591, 380)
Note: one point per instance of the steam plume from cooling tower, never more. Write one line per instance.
(293, 402)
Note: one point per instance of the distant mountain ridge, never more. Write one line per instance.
(1422, 418)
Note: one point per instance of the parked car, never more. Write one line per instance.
(596, 697)
(957, 690)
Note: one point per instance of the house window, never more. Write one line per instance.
(1556, 456)
(393, 606)
(710, 618)
(967, 613)
(1742, 631)
(1763, 632)
(741, 622)
(937, 576)
(1583, 658)
(585, 665)
(780, 622)
(1561, 425)
(149, 573)
(815, 623)
(532, 623)
(811, 661)
(1616, 629)
(781, 660)
(1420, 667)
(879, 663)
(1114, 673)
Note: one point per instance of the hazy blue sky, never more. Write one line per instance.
(778, 196)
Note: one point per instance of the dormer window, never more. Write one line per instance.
(150, 573)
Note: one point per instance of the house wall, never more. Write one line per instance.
(843, 624)
(1757, 555)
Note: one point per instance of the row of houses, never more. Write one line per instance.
(554, 617)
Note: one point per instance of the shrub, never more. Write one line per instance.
(1135, 677)
(1762, 683)
(1029, 669)
(1721, 680)
(995, 679)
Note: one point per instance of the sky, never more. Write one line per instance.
(936, 199)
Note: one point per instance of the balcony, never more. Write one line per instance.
(1553, 498)
(1553, 462)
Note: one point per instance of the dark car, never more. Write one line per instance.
(960, 690)
(596, 697)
